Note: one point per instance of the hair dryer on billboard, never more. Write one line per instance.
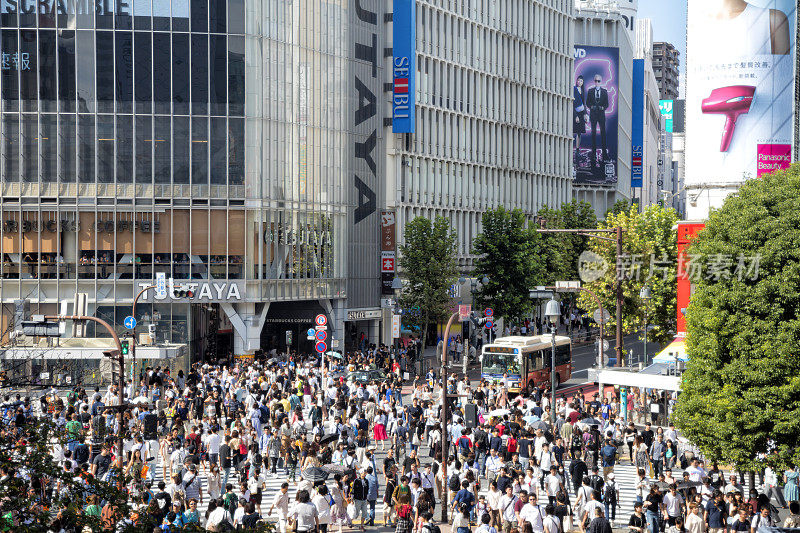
(731, 101)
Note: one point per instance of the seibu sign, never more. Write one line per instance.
(205, 291)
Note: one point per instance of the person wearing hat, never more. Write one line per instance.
(610, 497)
(637, 522)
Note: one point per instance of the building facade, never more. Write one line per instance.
(221, 142)
(608, 23)
(492, 114)
(666, 65)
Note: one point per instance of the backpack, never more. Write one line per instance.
(431, 528)
(264, 416)
(463, 445)
(609, 493)
(591, 442)
(231, 501)
(454, 483)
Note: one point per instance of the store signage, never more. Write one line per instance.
(404, 65)
(280, 234)
(367, 84)
(637, 124)
(364, 315)
(388, 224)
(68, 7)
(28, 226)
(100, 226)
(387, 262)
(206, 291)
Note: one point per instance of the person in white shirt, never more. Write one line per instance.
(323, 501)
(695, 471)
(673, 504)
(493, 465)
(532, 513)
(281, 503)
(303, 515)
(552, 524)
(694, 520)
(507, 514)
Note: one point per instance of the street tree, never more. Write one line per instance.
(562, 250)
(28, 472)
(649, 256)
(510, 254)
(741, 388)
(428, 264)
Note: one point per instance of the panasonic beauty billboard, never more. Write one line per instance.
(740, 89)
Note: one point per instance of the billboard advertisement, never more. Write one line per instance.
(404, 65)
(665, 106)
(595, 114)
(740, 88)
(637, 124)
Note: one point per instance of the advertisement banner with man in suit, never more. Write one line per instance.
(595, 114)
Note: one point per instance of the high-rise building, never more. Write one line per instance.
(666, 65)
(224, 143)
(492, 118)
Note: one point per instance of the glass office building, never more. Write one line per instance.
(206, 139)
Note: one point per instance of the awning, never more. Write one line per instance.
(626, 378)
(676, 348)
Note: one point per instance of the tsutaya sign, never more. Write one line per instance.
(204, 291)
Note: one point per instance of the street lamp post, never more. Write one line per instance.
(553, 312)
(445, 436)
(644, 294)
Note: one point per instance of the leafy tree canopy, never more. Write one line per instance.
(510, 255)
(563, 249)
(741, 388)
(427, 261)
(649, 256)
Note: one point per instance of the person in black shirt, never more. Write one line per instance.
(648, 436)
(388, 462)
(637, 523)
(577, 471)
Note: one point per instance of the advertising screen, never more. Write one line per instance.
(740, 88)
(595, 114)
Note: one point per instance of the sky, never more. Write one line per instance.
(669, 25)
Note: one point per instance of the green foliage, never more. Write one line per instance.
(741, 388)
(563, 249)
(619, 207)
(649, 249)
(30, 453)
(510, 255)
(427, 260)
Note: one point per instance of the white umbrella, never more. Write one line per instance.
(499, 412)
(140, 399)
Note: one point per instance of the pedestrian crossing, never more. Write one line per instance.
(273, 484)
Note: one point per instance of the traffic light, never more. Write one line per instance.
(182, 292)
(125, 345)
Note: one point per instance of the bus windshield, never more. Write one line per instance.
(500, 363)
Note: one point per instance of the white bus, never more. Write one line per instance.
(526, 360)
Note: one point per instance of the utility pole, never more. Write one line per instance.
(617, 240)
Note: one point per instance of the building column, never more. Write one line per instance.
(247, 321)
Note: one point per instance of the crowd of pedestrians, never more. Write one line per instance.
(201, 448)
